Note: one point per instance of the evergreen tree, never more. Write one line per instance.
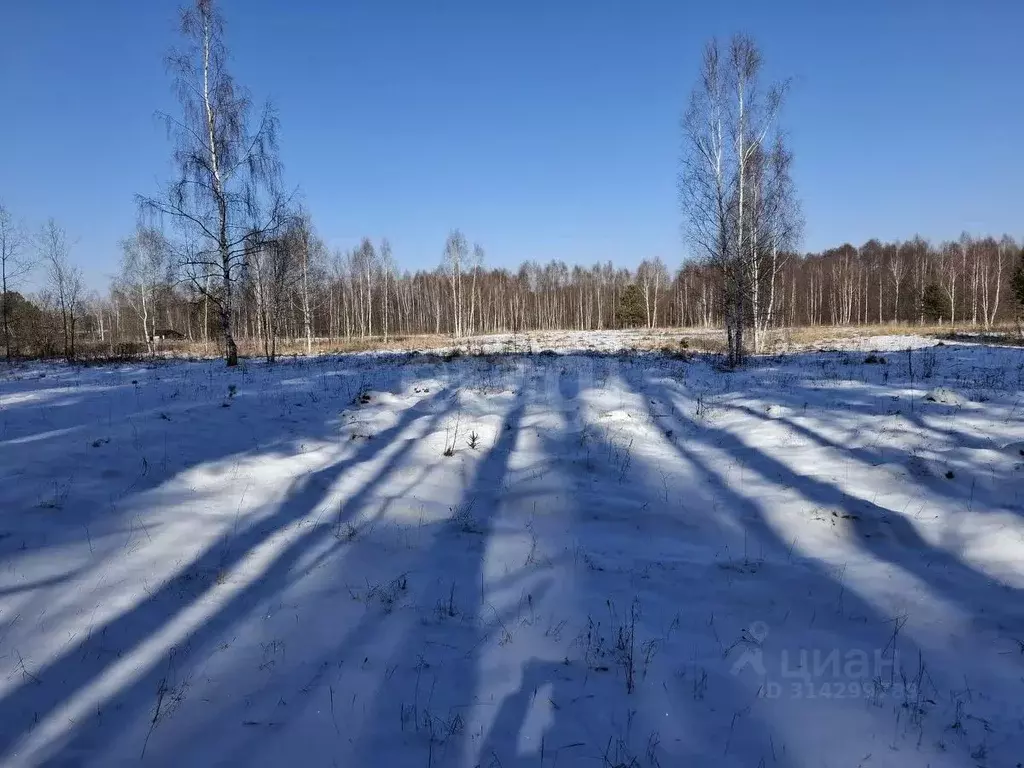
(934, 302)
(630, 312)
(1018, 280)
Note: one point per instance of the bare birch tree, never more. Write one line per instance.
(478, 262)
(387, 268)
(1004, 255)
(897, 270)
(64, 281)
(225, 198)
(273, 269)
(363, 267)
(651, 276)
(775, 226)
(144, 266)
(951, 271)
(455, 253)
(706, 179)
(306, 257)
(727, 127)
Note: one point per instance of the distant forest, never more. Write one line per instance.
(302, 290)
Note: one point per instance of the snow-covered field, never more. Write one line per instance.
(626, 560)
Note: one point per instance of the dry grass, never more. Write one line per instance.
(669, 340)
(254, 348)
(327, 346)
(694, 339)
(815, 336)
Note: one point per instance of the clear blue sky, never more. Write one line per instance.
(543, 128)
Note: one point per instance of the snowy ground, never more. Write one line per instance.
(584, 341)
(628, 560)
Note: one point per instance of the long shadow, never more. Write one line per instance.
(901, 545)
(500, 746)
(864, 627)
(109, 490)
(865, 405)
(420, 643)
(807, 589)
(433, 721)
(589, 719)
(887, 535)
(445, 646)
(85, 486)
(38, 696)
(814, 370)
(983, 498)
(556, 380)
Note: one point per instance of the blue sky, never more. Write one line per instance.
(544, 129)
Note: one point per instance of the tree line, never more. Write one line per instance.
(222, 253)
(299, 291)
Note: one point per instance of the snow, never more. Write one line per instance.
(569, 342)
(644, 560)
(885, 343)
(944, 396)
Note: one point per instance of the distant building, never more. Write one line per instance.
(168, 334)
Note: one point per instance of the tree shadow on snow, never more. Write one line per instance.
(671, 579)
(43, 692)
